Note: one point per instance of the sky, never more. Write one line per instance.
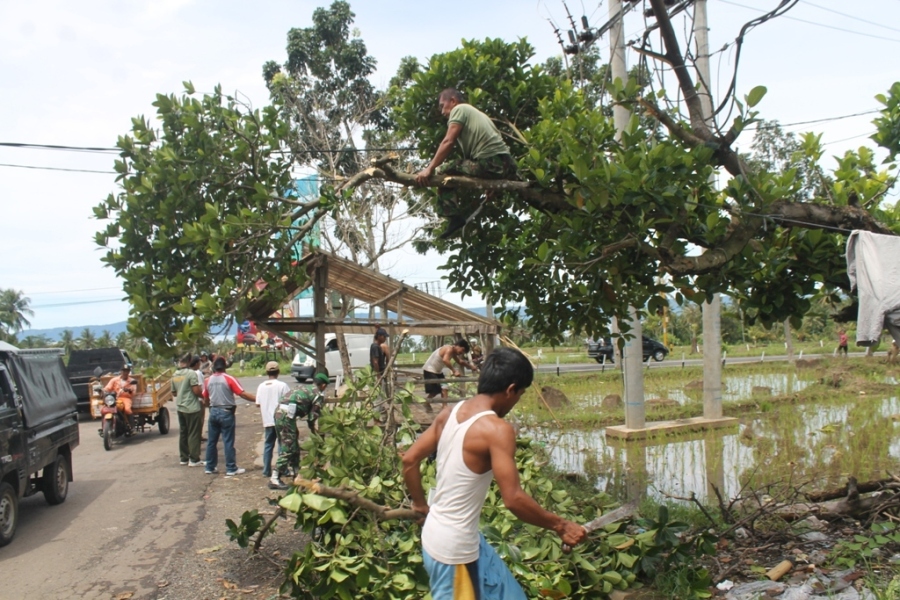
(76, 73)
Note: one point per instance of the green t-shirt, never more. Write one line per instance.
(185, 400)
(479, 138)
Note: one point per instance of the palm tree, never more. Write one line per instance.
(13, 308)
(87, 340)
(105, 340)
(67, 341)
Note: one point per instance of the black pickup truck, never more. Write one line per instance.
(86, 364)
(38, 431)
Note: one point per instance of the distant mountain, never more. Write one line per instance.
(55, 333)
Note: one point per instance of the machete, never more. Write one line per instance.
(624, 511)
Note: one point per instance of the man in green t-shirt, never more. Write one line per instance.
(188, 391)
(484, 155)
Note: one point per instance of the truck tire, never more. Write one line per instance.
(55, 481)
(107, 435)
(9, 513)
(162, 420)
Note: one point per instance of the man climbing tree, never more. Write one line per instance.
(484, 155)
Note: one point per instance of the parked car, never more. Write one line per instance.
(38, 431)
(84, 365)
(304, 366)
(603, 351)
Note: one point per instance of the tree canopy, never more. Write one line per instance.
(596, 222)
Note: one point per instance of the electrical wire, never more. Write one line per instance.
(57, 169)
(853, 137)
(76, 303)
(823, 120)
(855, 18)
(869, 35)
(59, 147)
(74, 291)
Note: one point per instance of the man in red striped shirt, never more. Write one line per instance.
(219, 390)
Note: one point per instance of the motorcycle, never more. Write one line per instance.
(147, 410)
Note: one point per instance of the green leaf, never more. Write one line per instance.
(317, 502)
(755, 95)
(291, 502)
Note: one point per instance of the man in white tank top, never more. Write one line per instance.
(434, 368)
(474, 445)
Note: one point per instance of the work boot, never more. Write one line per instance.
(276, 484)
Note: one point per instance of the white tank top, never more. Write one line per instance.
(450, 534)
(435, 364)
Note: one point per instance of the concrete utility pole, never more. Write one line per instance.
(633, 355)
(712, 311)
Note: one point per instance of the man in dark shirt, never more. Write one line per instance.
(378, 353)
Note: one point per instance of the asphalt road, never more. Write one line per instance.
(132, 517)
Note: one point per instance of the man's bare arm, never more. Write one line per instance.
(443, 151)
(503, 463)
(423, 447)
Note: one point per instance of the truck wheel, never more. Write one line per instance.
(107, 435)
(9, 513)
(162, 420)
(55, 481)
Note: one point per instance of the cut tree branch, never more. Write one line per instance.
(381, 513)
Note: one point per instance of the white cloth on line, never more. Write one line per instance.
(873, 266)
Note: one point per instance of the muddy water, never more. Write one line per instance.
(816, 444)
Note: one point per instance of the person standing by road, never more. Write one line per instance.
(474, 445)
(188, 393)
(842, 343)
(484, 155)
(378, 356)
(268, 395)
(434, 368)
(195, 366)
(305, 401)
(219, 389)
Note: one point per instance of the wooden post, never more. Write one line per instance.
(320, 284)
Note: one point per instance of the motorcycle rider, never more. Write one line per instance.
(305, 401)
(124, 387)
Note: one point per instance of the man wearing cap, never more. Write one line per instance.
(268, 395)
(188, 391)
(124, 387)
(305, 401)
(378, 352)
(219, 389)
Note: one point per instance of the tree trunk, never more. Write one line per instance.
(788, 340)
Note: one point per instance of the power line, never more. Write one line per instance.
(73, 291)
(877, 37)
(852, 137)
(822, 120)
(56, 169)
(59, 147)
(58, 304)
(855, 18)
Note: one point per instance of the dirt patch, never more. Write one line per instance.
(216, 567)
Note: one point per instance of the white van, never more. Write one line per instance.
(304, 366)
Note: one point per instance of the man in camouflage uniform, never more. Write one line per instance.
(305, 401)
(484, 155)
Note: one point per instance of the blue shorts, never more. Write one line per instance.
(488, 578)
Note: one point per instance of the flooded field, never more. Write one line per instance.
(817, 444)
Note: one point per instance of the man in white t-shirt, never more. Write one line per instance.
(268, 395)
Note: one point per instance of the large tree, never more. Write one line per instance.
(600, 223)
(596, 223)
